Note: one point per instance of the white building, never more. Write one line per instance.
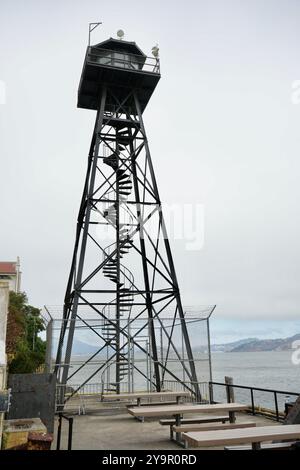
(10, 271)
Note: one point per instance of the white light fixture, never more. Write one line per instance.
(155, 50)
(120, 34)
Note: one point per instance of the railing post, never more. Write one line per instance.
(70, 434)
(276, 406)
(229, 389)
(252, 401)
(211, 392)
(59, 432)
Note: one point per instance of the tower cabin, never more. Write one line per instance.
(119, 66)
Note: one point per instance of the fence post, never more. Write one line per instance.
(211, 392)
(49, 334)
(229, 389)
(70, 434)
(252, 401)
(59, 432)
(276, 406)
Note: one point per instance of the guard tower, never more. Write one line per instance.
(122, 271)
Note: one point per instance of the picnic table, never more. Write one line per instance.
(255, 436)
(178, 411)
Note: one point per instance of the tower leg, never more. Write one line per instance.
(147, 283)
(170, 259)
(78, 280)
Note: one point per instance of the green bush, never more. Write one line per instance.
(29, 349)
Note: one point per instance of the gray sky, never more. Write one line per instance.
(224, 100)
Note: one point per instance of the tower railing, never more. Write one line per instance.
(136, 63)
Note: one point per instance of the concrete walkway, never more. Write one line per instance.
(116, 429)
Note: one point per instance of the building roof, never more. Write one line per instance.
(8, 267)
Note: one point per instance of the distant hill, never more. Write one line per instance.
(228, 347)
(279, 344)
(243, 345)
(80, 348)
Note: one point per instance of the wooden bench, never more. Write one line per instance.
(255, 436)
(213, 419)
(153, 403)
(212, 427)
(139, 396)
(178, 411)
(273, 446)
(208, 427)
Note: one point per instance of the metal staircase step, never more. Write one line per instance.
(127, 246)
(111, 162)
(122, 176)
(120, 283)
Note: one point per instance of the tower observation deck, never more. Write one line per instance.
(120, 65)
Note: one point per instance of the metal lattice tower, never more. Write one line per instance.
(132, 277)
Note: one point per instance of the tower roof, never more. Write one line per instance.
(120, 45)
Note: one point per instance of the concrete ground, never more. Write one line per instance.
(111, 429)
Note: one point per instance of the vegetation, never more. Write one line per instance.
(25, 349)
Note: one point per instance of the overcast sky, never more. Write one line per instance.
(223, 133)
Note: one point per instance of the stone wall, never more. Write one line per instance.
(33, 396)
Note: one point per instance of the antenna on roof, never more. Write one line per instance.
(155, 51)
(120, 34)
(92, 26)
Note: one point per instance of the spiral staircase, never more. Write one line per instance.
(123, 279)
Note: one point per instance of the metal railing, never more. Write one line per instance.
(92, 394)
(254, 406)
(63, 392)
(176, 386)
(88, 395)
(275, 407)
(133, 62)
(70, 431)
